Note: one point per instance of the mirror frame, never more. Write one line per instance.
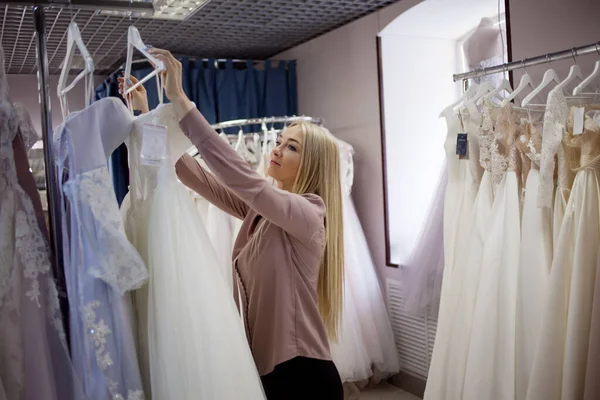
(386, 222)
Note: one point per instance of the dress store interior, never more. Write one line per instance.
(467, 135)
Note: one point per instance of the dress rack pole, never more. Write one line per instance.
(528, 62)
(44, 96)
(269, 120)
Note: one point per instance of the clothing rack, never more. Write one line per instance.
(528, 62)
(193, 151)
(259, 121)
(191, 58)
(39, 20)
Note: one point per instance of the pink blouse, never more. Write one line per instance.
(277, 268)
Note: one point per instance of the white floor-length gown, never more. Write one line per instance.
(562, 355)
(188, 323)
(491, 354)
(464, 176)
(534, 269)
(468, 265)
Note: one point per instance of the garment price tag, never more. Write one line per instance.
(461, 144)
(578, 120)
(154, 144)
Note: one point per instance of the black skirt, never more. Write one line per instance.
(303, 378)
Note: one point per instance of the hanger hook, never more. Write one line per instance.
(598, 48)
(574, 54)
(524, 66)
(549, 60)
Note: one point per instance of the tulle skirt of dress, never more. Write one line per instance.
(196, 343)
(372, 323)
(220, 227)
(422, 275)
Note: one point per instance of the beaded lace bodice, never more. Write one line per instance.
(486, 138)
(589, 141)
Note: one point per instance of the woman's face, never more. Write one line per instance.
(285, 157)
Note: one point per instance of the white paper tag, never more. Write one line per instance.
(578, 119)
(154, 144)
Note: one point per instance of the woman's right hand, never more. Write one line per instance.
(172, 81)
(138, 98)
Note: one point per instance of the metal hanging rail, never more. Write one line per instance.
(52, 190)
(528, 62)
(269, 120)
(114, 5)
(193, 151)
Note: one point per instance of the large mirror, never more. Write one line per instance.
(419, 53)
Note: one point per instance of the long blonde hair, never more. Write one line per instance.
(319, 173)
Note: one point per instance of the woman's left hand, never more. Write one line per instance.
(172, 80)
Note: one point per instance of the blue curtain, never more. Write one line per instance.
(221, 92)
(232, 91)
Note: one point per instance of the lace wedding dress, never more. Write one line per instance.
(101, 265)
(563, 351)
(34, 359)
(535, 262)
(189, 326)
(490, 366)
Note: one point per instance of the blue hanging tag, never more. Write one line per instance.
(461, 144)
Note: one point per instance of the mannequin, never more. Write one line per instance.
(483, 47)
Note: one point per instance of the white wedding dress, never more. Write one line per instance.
(534, 269)
(468, 265)
(366, 341)
(189, 327)
(464, 177)
(563, 351)
(490, 364)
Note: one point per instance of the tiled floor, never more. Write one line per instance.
(386, 392)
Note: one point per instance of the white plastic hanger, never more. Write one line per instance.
(549, 77)
(524, 83)
(484, 89)
(574, 73)
(593, 76)
(74, 41)
(134, 40)
(472, 89)
(503, 87)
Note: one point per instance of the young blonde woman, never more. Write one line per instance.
(288, 257)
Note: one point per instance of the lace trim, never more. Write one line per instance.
(97, 332)
(116, 261)
(486, 140)
(555, 118)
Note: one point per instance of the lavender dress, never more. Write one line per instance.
(101, 266)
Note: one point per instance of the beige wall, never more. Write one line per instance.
(24, 89)
(543, 26)
(338, 81)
